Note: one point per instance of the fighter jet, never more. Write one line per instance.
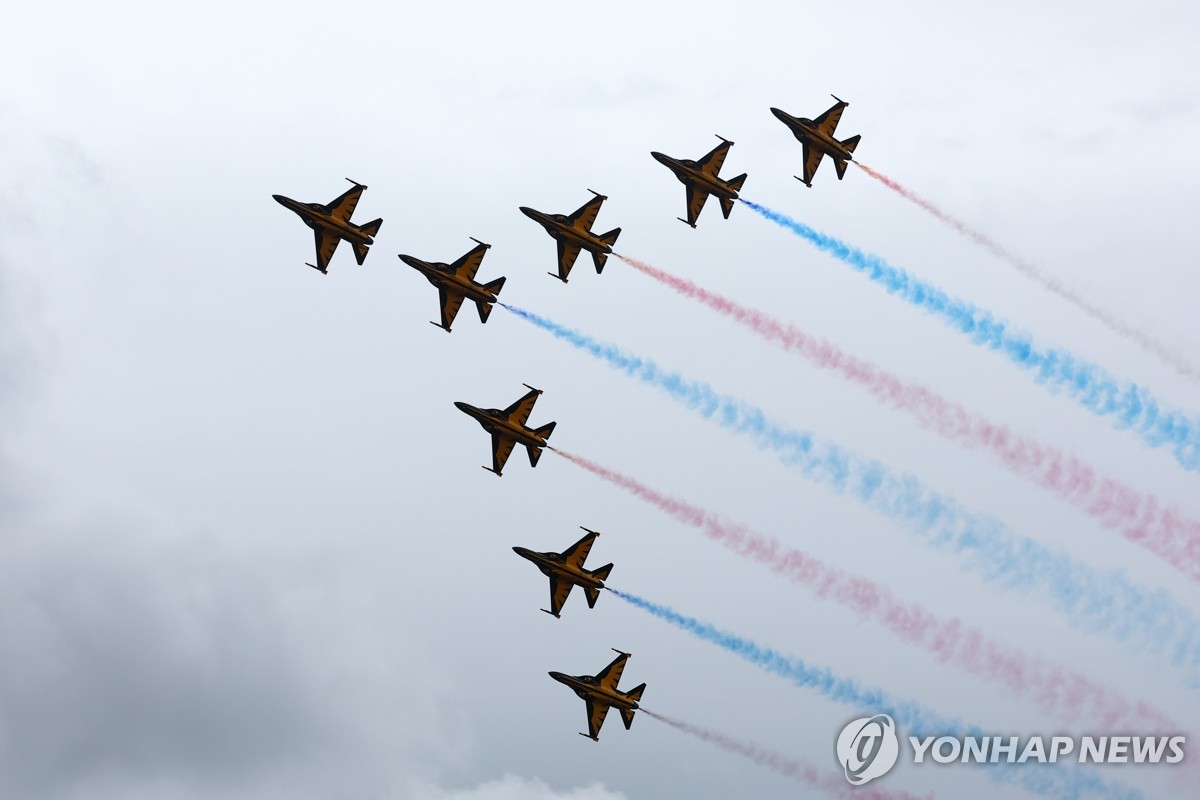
(817, 138)
(456, 282)
(565, 570)
(574, 233)
(600, 692)
(508, 429)
(331, 223)
(700, 178)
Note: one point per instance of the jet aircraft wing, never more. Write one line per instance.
(343, 208)
(326, 244)
(560, 590)
(812, 160)
(501, 449)
(519, 411)
(585, 216)
(451, 302)
(596, 713)
(695, 203)
(576, 554)
(827, 123)
(468, 265)
(711, 163)
(567, 253)
(611, 675)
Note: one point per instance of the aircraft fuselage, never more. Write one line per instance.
(441, 275)
(551, 564)
(564, 230)
(493, 421)
(690, 174)
(589, 689)
(805, 131)
(315, 217)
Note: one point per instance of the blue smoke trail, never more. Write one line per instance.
(1131, 406)
(1148, 621)
(915, 720)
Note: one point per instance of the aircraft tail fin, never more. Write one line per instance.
(635, 694)
(627, 717)
(601, 573)
(840, 166)
(726, 206)
(360, 252)
(851, 143)
(592, 596)
(495, 286)
(545, 431)
(736, 183)
(534, 454)
(609, 239)
(371, 228)
(485, 310)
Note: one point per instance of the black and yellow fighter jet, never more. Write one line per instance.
(817, 138)
(574, 233)
(508, 429)
(331, 223)
(456, 282)
(565, 570)
(600, 692)
(700, 179)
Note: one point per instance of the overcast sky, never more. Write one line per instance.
(246, 549)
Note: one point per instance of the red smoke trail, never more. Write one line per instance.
(1138, 516)
(949, 641)
(802, 771)
(1166, 354)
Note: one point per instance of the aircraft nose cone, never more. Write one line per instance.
(558, 676)
(279, 199)
(778, 113)
(529, 212)
(658, 156)
(461, 406)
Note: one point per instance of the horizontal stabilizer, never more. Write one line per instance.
(610, 238)
(599, 259)
(534, 454)
(360, 252)
(635, 694)
(840, 166)
(545, 431)
(726, 205)
(601, 573)
(851, 143)
(495, 286)
(736, 183)
(485, 310)
(371, 228)
(627, 717)
(592, 596)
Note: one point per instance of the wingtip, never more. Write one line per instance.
(356, 183)
(476, 241)
(622, 652)
(589, 530)
(601, 196)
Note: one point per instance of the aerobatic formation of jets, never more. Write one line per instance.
(508, 427)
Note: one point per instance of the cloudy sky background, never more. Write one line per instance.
(248, 551)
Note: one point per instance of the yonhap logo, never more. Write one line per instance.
(867, 748)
